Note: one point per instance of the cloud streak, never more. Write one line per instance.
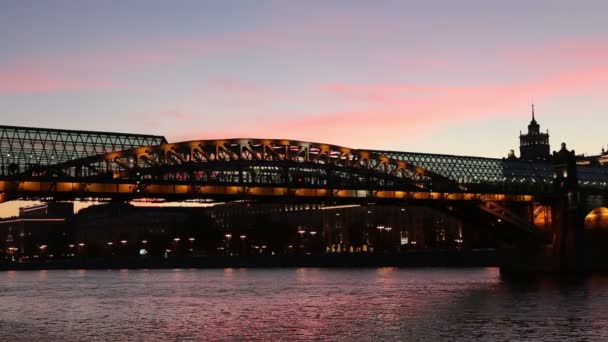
(38, 79)
(379, 115)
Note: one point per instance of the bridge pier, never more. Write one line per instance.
(569, 249)
(572, 248)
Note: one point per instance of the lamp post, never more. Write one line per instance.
(12, 251)
(314, 243)
(176, 245)
(228, 237)
(381, 229)
(301, 232)
(243, 244)
(81, 247)
(42, 250)
(191, 248)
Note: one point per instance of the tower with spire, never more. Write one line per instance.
(534, 145)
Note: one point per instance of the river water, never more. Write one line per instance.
(298, 304)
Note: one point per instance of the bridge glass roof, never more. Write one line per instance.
(478, 170)
(26, 147)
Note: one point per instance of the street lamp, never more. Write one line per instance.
(80, 247)
(228, 237)
(12, 251)
(191, 249)
(71, 251)
(301, 232)
(243, 244)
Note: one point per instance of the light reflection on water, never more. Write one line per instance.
(298, 304)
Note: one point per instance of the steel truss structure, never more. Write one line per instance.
(25, 148)
(252, 163)
(46, 162)
(478, 171)
(243, 167)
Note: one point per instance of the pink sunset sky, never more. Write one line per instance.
(443, 76)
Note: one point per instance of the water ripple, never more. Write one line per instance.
(298, 305)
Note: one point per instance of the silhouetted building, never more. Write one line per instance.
(40, 231)
(534, 145)
(48, 210)
(124, 229)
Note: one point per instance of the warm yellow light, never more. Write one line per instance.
(597, 219)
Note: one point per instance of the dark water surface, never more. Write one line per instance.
(298, 304)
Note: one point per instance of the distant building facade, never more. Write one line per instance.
(40, 231)
(534, 145)
(598, 159)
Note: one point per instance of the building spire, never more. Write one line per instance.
(533, 119)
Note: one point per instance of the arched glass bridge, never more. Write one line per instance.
(76, 164)
(41, 163)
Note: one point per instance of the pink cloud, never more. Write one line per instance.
(163, 119)
(378, 114)
(381, 114)
(62, 70)
(232, 86)
(237, 94)
(455, 98)
(177, 114)
(86, 70)
(36, 79)
(570, 50)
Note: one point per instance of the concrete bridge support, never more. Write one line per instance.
(572, 247)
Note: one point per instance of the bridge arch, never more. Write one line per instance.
(597, 219)
(253, 162)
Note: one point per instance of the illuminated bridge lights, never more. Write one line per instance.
(264, 167)
(33, 188)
